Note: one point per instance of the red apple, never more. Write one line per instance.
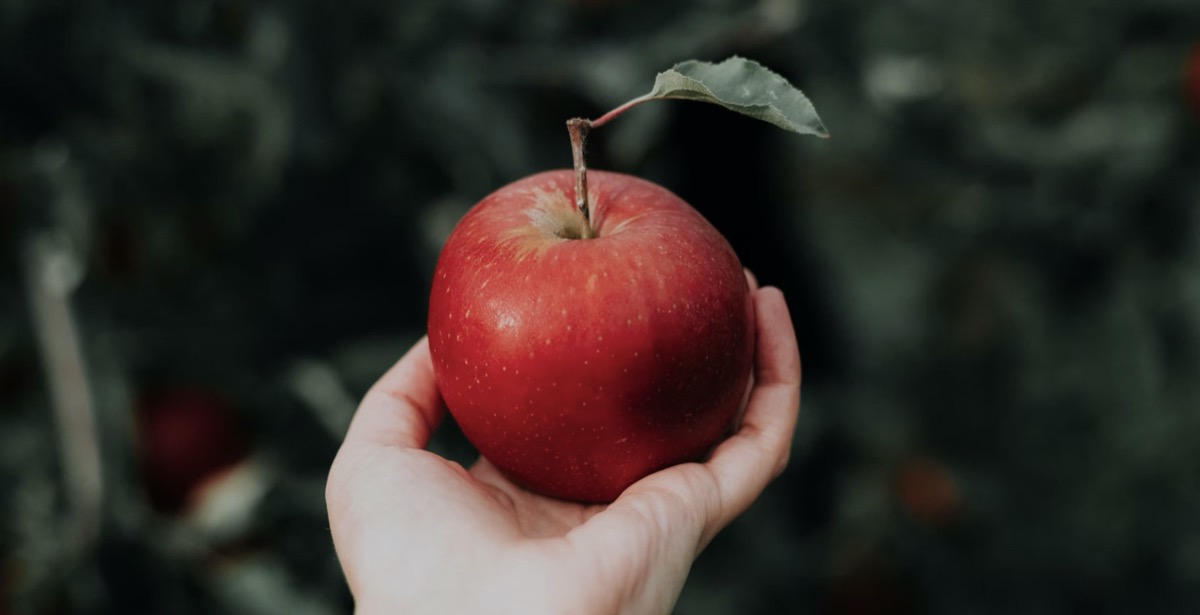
(186, 437)
(1191, 80)
(579, 365)
(927, 492)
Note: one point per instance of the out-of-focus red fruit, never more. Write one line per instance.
(184, 437)
(1191, 81)
(927, 492)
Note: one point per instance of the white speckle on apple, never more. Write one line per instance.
(506, 321)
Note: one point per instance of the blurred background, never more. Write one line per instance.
(219, 219)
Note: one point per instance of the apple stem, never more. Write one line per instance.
(578, 128)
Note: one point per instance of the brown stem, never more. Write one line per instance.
(578, 128)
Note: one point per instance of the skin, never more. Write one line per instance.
(417, 533)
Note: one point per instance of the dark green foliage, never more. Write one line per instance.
(993, 267)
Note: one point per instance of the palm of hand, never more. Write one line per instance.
(535, 516)
(498, 531)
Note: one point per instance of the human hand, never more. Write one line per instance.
(417, 533)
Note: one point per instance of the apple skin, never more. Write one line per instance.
(578, 366)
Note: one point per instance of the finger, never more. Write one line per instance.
(745, 463)
(651, 534)
(751, 280)
(752, 283)
(403, 407)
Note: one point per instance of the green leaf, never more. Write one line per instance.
(744, 86)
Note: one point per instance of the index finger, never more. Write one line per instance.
(403, 407)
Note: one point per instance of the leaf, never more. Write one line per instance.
(740, 85)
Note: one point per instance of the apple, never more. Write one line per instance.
(1191, 80)
(928, 492)
(186, 437)
(581, 347)
(584, 342)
